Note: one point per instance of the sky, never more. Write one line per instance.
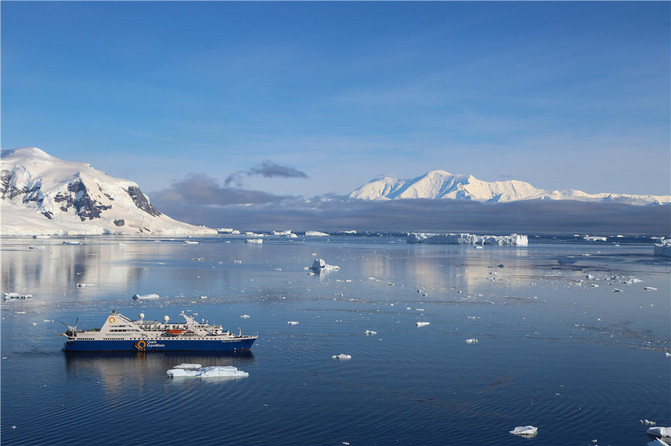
(263, 100)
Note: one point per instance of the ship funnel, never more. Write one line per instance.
(141, 316)
(166, 318)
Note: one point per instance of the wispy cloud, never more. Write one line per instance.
(266, 169)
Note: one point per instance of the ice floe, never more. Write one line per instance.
(649, 288)
(468, 239)
(423, 324)
(370, 332)
(315, 234)
(663, 248)
(13, 296)
(595, 238)
(342, 357)
(208, 372)
(525, 431)
(257, 241)
(145, 296)
(188, 366)
(293, 323)
(320, 265)
(471, 341)
(245, 316)
(659, 431)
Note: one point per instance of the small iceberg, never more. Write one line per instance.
(13, 296)
(342, 357)
(316, 234)
(471, 341)
(649, 288)
(525, 431)
(423, 324)
(245, 316)
(190, 242)
(370, 332)
(292, 323)
(208, 372)
(659, 431)
(145, 296)
(255, 241)
(663, 248)
(320, 265)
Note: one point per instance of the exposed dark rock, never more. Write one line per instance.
(48, 214)
(119, 222)
(141, 201)
(85, 206)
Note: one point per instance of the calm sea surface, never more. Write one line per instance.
(568, 341)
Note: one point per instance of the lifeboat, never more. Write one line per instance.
(175, 331)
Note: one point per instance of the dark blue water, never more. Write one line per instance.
(580, 362)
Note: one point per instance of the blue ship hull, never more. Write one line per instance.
(162, 345)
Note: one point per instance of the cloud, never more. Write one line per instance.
(266, 169)
(201, 190)
(333, 214)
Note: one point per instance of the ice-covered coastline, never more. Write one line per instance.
(468, 239)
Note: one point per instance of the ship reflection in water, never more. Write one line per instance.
(115, 370)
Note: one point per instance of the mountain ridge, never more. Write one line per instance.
(440, 184)
(40, 193)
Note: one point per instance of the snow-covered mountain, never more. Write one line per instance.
(41, 194)
(438, 184)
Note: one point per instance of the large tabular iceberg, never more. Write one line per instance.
(468, 239)
(663, 248)
(206, 372)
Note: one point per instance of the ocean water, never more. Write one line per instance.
(583, 363)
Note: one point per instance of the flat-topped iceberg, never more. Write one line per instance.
(525, 431)
(663, 248)
(320, 265)
(207, 372)
(468, 239)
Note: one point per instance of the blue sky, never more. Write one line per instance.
(561, 95)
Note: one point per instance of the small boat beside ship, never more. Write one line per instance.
(120, 333)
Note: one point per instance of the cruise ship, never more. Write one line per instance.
(120, 333)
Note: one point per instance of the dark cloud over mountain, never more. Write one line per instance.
(266, 169)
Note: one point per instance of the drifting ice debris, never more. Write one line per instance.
(667, 354)
(594, 238)
(342, 356)
(245, 316)
(257, 241)
(209, 372)
(202, 297)
(663, 248)
(423, 324)
(468, 239)
(315, 234)
(190, 242)
(370, 332)
(657, 442)
(617, 290)
(649, 288)
(145, 296)
(188, 366)
(648, 422)
(292, 323)
(526, 431)
(471, 341)
(9, 296)
(320, 265)
(659, 431)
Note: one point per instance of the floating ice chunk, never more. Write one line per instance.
(667, 354)
(188, 366)
(663, 248)
(595, 285)
(244, 316)
(342, 357)
(370, 332)
(145, 296)
(648, 422)
(595, 238)
(471, 341)
(423, 324)
(292, 323)
(526, 431)
(657, 442)
(649, 288)
(419, 309)
(320, 265)
(202, 297)
(257, 241)
(468, 239)
(659, 431)
(315, 234)
(10, 296)
(617, 290)
(208, 372)
(190, 242)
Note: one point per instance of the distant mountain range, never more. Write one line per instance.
(41, 194)
(439, 184)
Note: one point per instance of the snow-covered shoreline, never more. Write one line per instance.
(468, 239)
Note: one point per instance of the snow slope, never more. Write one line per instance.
(42, 194)
(444, 185)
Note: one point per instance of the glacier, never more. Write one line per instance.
(468, 239)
